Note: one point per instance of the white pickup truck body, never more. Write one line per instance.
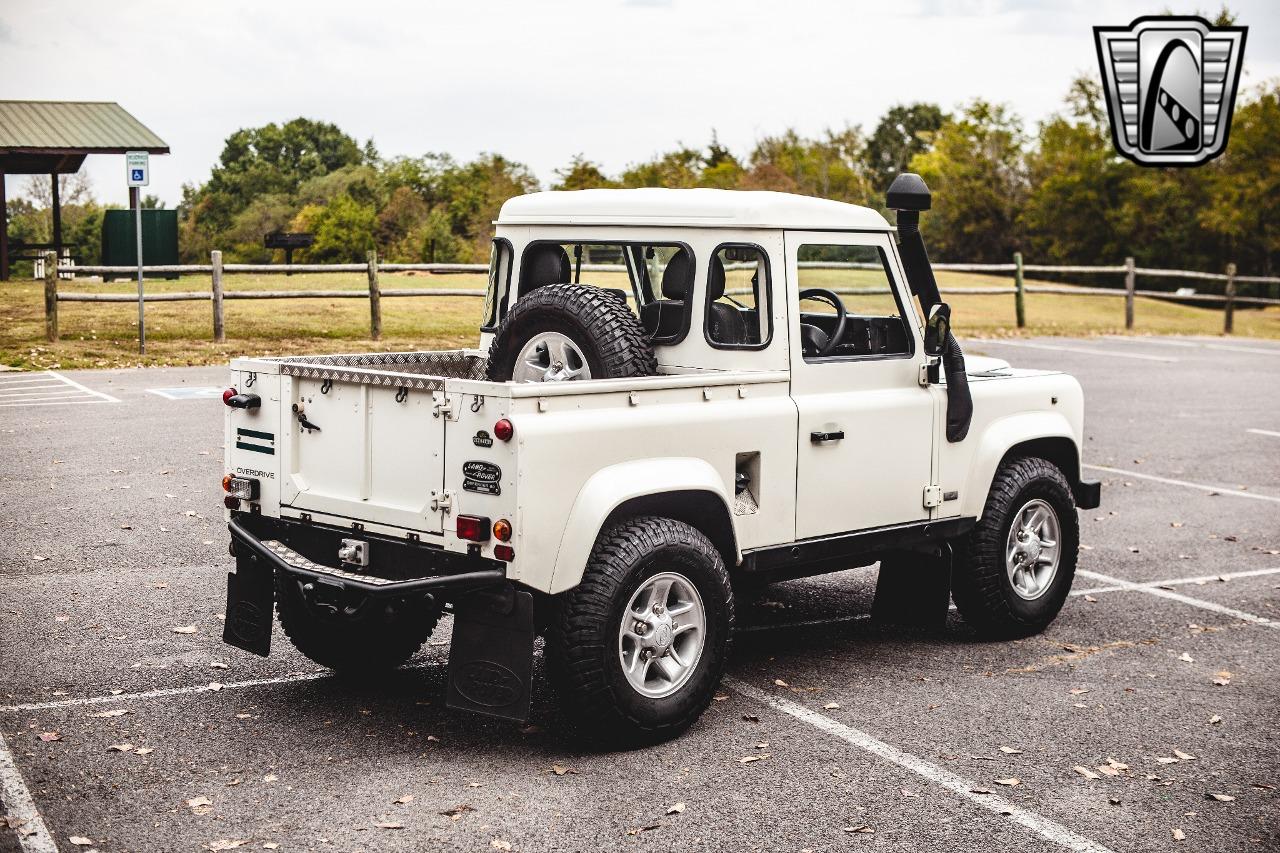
(398, 446)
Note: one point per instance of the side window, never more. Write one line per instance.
(654, 279)
(858, 277)
(739, 312)
(499, 283)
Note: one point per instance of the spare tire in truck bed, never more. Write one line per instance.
(562, 332)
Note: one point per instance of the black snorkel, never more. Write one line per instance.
(907, 196)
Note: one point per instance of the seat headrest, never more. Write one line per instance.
(715, 280)
(677, 278)
(545, 263)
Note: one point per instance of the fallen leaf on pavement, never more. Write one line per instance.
(80, 840)
(1086, 772)
(217, 664)
(862, 827)
(1008, 750)
(499, 844)
(1179, 835)
(747, 759)
(678, 808)
(184, 629)
(1222, 798)
(1091, 599)
(457, 811)
(1214, 720)
(1010, 782)
(49, 736)
(1185, 756)
(270, 845)
(389, 824)
(116, 712)
(780, 683)
(121, 747)
(560, 770)
(1162, 759)
(143, 750)
(1186, 658)
(402, 799)
(270, 777)
(907, 792)
(1107, 770)
(200, 805)
(1076, 691)
(226, 844)
(832, 706)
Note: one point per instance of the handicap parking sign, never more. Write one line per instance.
(136, 175)
(137, 168)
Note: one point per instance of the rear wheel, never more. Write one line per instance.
(642, 641)
(371, 643)
(1013, 571)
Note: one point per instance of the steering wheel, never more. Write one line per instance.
(814, 341)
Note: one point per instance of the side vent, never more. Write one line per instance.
(746, 483)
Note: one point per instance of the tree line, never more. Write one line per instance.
(1059, 193)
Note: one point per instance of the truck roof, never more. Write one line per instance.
(699, 208)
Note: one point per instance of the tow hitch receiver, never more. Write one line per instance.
(491, 659)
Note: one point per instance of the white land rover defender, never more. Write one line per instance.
(677, 394)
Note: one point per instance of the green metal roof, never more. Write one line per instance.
(73, 127)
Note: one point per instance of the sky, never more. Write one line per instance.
(617, 80)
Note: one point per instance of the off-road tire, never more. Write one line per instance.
(367, 646)
(980, 584)
(608, 334)
(582, 647)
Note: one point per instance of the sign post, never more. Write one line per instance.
(138, 170)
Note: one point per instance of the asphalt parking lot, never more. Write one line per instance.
(1145, 718)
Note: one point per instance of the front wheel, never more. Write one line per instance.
(1013, 571)
(641, 642)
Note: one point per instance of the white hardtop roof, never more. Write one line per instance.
(705, 208)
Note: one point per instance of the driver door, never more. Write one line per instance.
(866, 425)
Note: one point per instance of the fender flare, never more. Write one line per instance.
(611, 487)
(1004, 434)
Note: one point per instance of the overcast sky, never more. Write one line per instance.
(618, 80)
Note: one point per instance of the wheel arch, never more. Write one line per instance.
(685, 489)
(1045, 435)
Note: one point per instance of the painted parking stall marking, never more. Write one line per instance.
(1268, 432)
(188, 392)
(1085, 350)
(46, 389)
(1168, 481)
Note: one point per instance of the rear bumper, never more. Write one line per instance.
(1088, 494)
(399, 568)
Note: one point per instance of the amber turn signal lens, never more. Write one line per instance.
(504, 429)
(502, 530)
(226, 482)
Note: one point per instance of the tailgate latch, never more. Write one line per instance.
(442, 501)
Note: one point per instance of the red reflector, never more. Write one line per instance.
(505, 553)
(473, 527)
(227, 395)
(504, 429)
(230, 502)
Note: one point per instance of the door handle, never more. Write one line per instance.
(826, 437)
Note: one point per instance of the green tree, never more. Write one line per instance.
(343, 230)
(977, 173)
(902, 133)
(828, 167)
(582, 174)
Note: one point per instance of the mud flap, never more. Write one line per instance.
(491, 656)
(250, 599)
(913, 590)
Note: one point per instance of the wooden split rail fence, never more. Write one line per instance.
(217, 294)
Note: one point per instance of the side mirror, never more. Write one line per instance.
(937, 328)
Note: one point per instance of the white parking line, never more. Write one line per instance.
(1222, 490)
(1203, 579)
(964, 788)
(169, 691)
(33, 835)
(1264, 432)
(1193, 345)
(48, 389)
(1151, 589)
(1086, 350)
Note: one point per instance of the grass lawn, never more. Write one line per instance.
(180, 333)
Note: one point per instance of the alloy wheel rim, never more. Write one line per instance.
(550, 357)
(1032, 551)
(662, 635)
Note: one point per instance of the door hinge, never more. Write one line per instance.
(442, 501)
(929, 370)
(442, 405)
(932, 496)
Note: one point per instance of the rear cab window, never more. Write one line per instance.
(739, 313)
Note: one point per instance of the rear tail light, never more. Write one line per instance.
(228, 394)
(504, 429)
(473, 527)
(502, 530)
(505, 553)
(240, 488)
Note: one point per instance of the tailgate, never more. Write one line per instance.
(375, 454)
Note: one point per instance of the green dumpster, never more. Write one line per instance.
(159, 239)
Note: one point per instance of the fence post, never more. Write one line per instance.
(1229, 316)
(1130, 283)
(51, 297)
(219, 328)
(1019, 299)
(375, 299)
